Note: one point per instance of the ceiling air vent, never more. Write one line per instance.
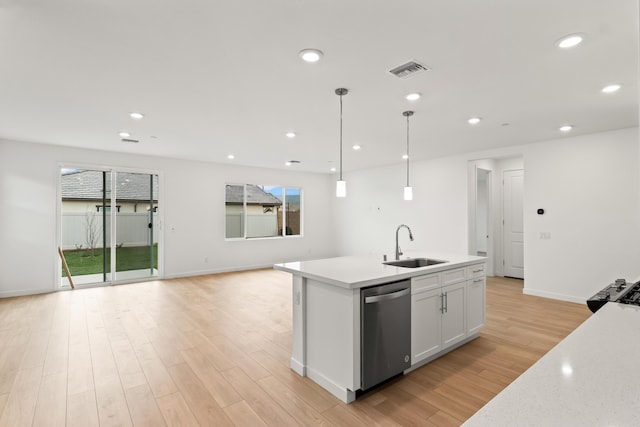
(409, 69)
(134, 141)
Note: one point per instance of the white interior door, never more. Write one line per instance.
(513, 231)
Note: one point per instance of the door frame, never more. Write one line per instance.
(158, 230)
(504, 223)
(498, 165)
(473, 214)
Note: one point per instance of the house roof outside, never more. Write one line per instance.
(87, 185)
(255, 196)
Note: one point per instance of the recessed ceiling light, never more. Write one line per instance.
(356, 147)
(413, 96)
(136, 116)
(287, 163)
(310, 55)
(332, 169)
(611, 88)
(124, 134)
(231, 157)
(291, 134)
(405, 157)
(570, 41)
(565, 128)
(474, 120)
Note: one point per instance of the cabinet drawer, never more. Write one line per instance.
(477, 270)
(425, 283)
(453, 276)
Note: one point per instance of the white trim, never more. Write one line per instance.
(57, 265)
(217, 271)
(8, 294)
(553, 295)
(342, 393)
(298, 367)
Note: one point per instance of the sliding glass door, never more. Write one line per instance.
(108, 220)
(136, 246)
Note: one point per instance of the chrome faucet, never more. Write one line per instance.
(398, 251)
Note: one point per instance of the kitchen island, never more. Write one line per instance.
(327, 317)
(588, 379)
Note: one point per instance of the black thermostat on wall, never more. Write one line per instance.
(540, 211)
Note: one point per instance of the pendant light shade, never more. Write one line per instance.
(341, 188)
(341, 185)
(408, 193)
(408, 190)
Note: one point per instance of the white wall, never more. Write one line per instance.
(367, 218)
(588, 185)
(191, 200)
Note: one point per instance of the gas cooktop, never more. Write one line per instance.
(619, 291)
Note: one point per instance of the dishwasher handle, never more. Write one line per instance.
(387, 297)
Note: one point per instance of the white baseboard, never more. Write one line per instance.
(553, 295)
(21, 293)
(298, 367)
(346, 395)
(216, 271)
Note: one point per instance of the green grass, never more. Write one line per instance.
(82, 262)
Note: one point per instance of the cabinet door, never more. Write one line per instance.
(475, 305)
(454, 314)
(426, 320)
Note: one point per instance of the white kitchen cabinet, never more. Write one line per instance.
(454, 327)
(426, 325)
(438, 315)
(476, 296)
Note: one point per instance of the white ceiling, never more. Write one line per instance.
(220, 77)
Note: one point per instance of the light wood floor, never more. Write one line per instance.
(214, 350)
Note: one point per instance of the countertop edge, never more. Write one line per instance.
(389, 273)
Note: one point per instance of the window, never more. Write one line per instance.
(254, 211)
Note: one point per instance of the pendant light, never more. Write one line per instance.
(408, 191)
(341, 185)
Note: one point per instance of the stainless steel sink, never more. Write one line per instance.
(414, 262)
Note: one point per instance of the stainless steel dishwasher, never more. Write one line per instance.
(385, 332)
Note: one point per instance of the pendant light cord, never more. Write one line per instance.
(407, 150)
(341, 137)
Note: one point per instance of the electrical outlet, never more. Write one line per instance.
(545, 235)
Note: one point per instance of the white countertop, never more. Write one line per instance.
(354, 272)
(591, 378)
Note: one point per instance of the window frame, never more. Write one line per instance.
(281, 224)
